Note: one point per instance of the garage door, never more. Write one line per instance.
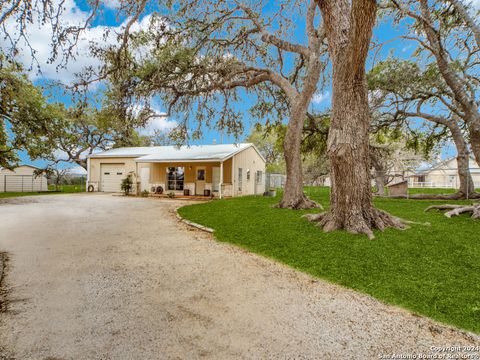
(111, 176)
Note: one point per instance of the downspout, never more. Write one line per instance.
(88, 174)
(233, 175)
(220, 193)
(137, 185)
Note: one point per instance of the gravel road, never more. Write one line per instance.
(107, 277)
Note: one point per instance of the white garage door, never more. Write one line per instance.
(111, 177)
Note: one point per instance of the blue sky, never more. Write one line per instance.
(384, 32)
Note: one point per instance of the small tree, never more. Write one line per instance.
(127, 184)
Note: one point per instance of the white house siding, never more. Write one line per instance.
(22, 179)
(248, 159)
(445, 175)
(127, 164)
(133, 162)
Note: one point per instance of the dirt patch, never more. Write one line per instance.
(4, 354)
(21, 200)
(3, 290)
(110, 277)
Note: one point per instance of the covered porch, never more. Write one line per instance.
(187, 178)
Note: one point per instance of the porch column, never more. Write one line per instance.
(220, 195)
(88, 175)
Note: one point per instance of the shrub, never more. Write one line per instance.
(145, 193)
(127, 184)
(171, 195)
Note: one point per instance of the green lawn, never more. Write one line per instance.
(431, 270)
(412, 191)
(69, 188)
(64, 189)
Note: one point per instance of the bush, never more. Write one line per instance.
(127, 184)
(171, 195)
(145, 193)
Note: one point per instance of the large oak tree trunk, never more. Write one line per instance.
(293, 195)
(474, 132)
(380, 182)
(467, 188)
(349, 30)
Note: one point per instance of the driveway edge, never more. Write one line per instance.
(192, 224)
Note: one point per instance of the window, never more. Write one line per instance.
(107, 173)
(240, 179)
(175, 178)
(259, 175)
(201, 174)
(248, 174)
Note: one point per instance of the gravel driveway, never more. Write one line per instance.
(108, 277)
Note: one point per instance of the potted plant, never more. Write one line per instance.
(272, 192)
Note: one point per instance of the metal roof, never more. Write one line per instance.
(128, 152)
(473, 167)
(174, 153)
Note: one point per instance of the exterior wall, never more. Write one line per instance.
(22, 179)
(446, 176)
(95, 165)
(158, 174)
(248, 159)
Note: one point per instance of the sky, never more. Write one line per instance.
(76, 12)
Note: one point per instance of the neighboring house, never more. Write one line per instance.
(224, 170)
(22, 179)
(443, 175)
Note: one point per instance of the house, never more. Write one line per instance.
(22, 179)
(444, 175)
(224, 170)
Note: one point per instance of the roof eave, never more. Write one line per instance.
(164, 161)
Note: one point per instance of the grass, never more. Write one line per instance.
(69, 188)
(431, 270)
(64, 189)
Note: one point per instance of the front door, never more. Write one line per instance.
(200, 180)
(145, 177)
(215, 179)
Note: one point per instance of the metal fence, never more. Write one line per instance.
(23, 183)
(275, 181)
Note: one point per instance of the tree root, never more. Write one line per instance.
(357, 222)
(456, 196)
(302, 203)
(455, 210)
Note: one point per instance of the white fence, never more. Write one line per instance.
(436, 185)
(274, 181)
(430, 185)
(22, 183)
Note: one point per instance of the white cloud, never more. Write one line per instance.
(40, 35)
(112, 4)
(476, 4)
(77, 170)
(162, 124)
(318, 98)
